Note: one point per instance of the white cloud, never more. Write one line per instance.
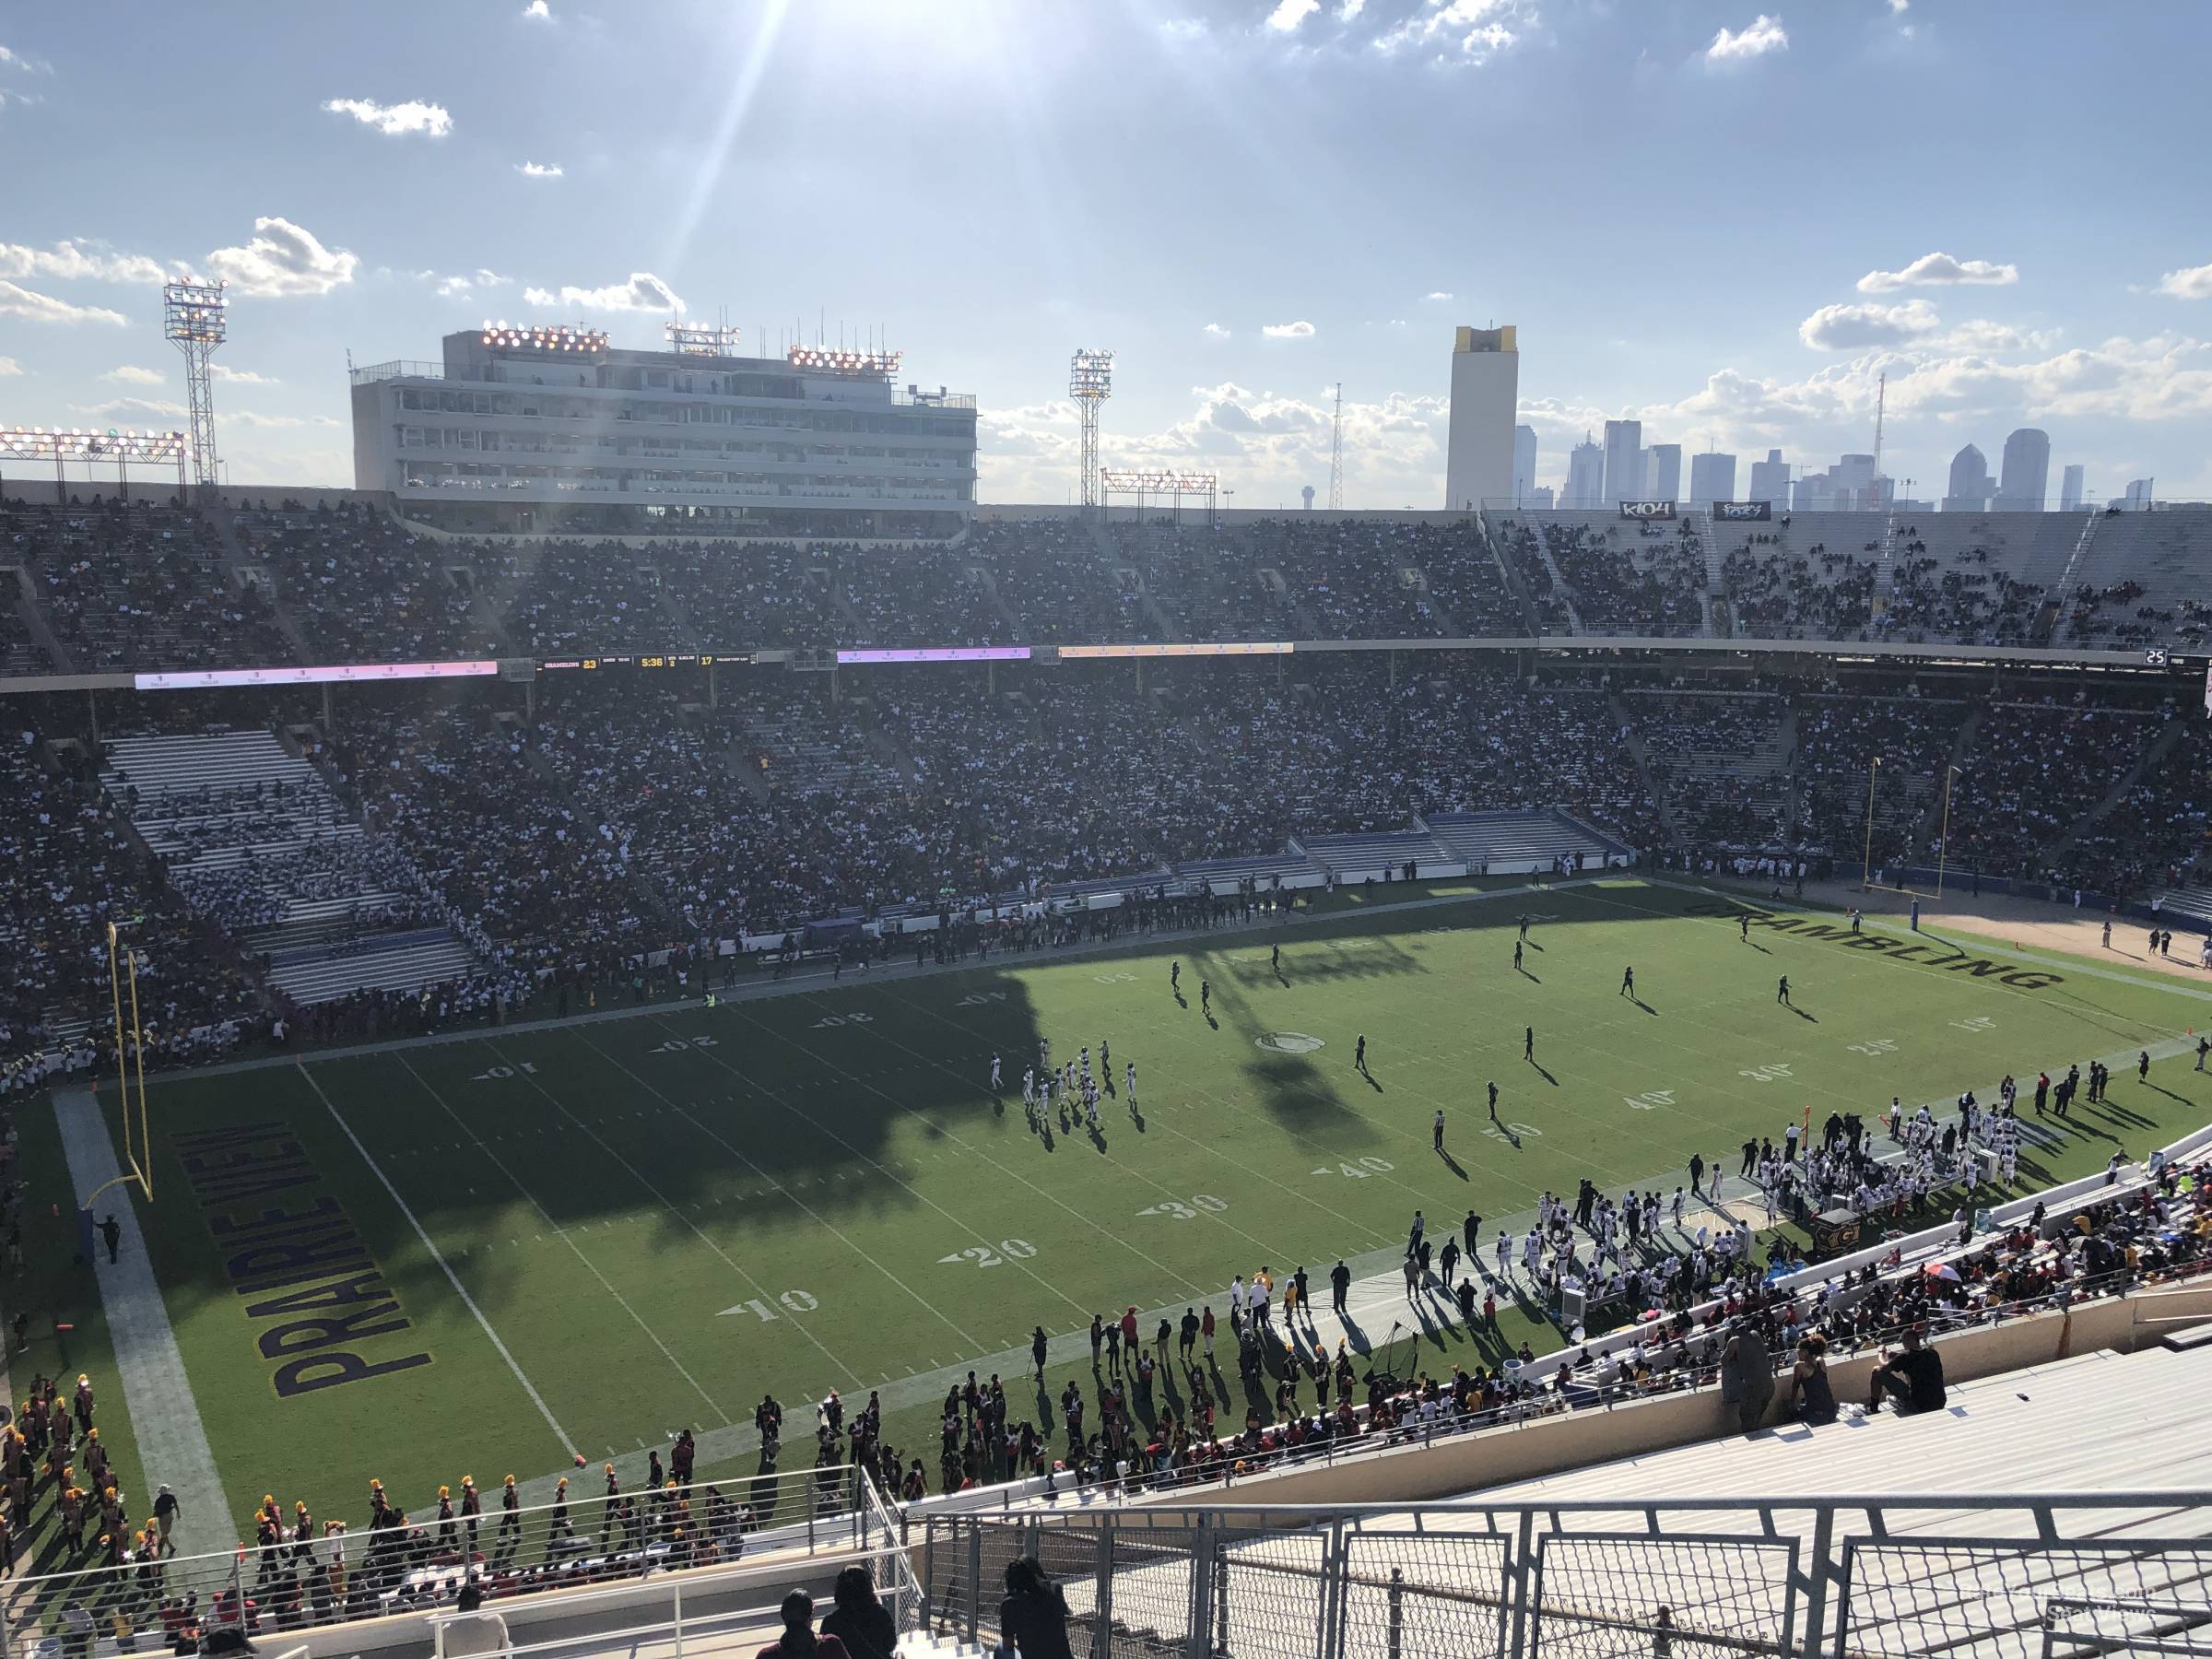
(458, 287)
(1852, 327)
(9, 366)
(1981, 334)
(249, 418)
(15, 60)
(1350, 10)
(396, 121)
(1939, 270)
(1301, 330)
(1465, 32)
(1288, 14)
(2192, 283)
(1266, 445)
(80, 261)
(538, 169)
(132, 408)
(1898, 7)
(538, 11)
(241, 377)
(1437, 294)
(1761, 35)
(130, 374)
(642, 292)
(283, 261)
(45, 308)
(1183, 31)
(1219, 332)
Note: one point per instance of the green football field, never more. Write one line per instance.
(488, 1255)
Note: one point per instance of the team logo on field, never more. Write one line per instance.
(1289, 1043)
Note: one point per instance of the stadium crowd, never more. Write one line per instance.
(652, 813)
(146, 585)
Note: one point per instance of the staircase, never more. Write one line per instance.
(35, 624)
(1644, 775)
(1558, 587)
(998, 604)
(1508, 574)
(1720, 615)
(1885, 575)
(1445, 620)
(680, 621)
(2054, 603)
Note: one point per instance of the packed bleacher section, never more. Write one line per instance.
(521, 867)
(137, 584)
(1612, 576)
(157, 586)
(1062, 584)
(1723, 761)
(366, 589)
(553, 839)
(2036, 770)
(1839, 741)
(73, 868)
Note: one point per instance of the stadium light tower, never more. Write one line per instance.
(1091, 383)
(193, 317)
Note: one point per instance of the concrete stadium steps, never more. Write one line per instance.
(307, 922)
(2192, 904)
(1347, 857)
(395, 962)
(163, 765)
(1260, 868)
(207, 804)
(2026, 1430)
(1516, 838)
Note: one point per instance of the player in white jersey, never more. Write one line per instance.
(1505, 1251)
(994, 1073)
(1129, 1081)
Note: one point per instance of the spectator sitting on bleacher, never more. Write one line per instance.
(1912, 1377)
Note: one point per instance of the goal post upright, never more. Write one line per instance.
(130, 1068)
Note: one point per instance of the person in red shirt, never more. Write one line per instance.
(1206, 1329)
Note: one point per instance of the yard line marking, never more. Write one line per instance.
(578, 1249)
(816, 1215)
(444, 1267)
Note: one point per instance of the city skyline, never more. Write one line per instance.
(364, 195)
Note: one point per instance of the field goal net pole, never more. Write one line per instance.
(137, 1153)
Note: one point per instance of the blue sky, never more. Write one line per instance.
(1723, 219)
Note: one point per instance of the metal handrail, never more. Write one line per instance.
(804, 1514)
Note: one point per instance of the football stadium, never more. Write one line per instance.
(637, 1011)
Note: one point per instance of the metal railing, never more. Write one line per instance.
(1893, 1574)
(421, 1565)
(398, 369)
